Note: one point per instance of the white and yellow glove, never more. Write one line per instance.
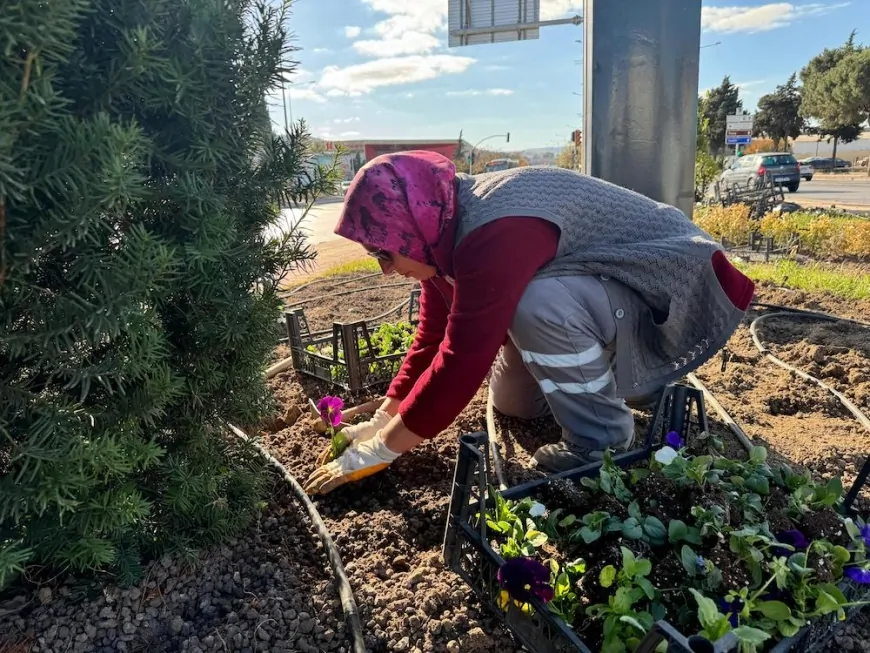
(358, 433)
(361, 459)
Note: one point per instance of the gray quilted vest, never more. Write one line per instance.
(639, 248)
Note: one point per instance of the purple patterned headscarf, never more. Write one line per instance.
(401, 203)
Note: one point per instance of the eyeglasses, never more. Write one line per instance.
(381, 255)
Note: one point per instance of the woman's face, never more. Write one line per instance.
(403, 266)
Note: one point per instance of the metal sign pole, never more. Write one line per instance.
(641, 95)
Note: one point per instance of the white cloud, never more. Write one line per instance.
(366, 77)
(551, 9)
(345, 121)
(762, 18)
(407, 43)
(352, 31)
(304, 94)
(743, 85)
(349, 134)
(478, 91)
(426, 16)
(320, 50)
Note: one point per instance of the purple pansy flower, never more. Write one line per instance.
(524, 578)
(330, 410)
(732, 609)
(865, 534)
(858, 575)
(702, 564)
(791, 537)
(674, 440)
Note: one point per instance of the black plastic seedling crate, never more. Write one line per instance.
(345, 366)
(467, 549)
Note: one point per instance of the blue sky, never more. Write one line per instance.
(381, 69)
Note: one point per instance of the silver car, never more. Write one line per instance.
(750, 171)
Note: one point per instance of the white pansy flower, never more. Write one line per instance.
(537, 509)
(666, 455)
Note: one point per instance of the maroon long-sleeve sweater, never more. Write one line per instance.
(462, 326)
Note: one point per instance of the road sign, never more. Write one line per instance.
(738, 140)
(472, 22)
(739, 122)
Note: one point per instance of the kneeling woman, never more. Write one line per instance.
(583, 295)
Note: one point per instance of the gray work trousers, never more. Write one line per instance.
(559, 359)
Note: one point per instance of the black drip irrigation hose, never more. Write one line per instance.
(347, 292)
(348, 603)
(830, 317)
(295, 290)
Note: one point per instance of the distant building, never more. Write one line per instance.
(805, 146)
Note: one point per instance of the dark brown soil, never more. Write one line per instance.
(375, 295)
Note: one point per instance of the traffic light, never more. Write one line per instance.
(508, 138)
(577, 137)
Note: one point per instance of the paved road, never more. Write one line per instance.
(848, 192)
(319, 222)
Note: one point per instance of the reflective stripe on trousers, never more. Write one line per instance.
(558, 359)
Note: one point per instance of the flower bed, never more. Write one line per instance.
(722, 549)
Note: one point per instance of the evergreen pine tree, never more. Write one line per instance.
(138, 292)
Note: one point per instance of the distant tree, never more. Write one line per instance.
(837, 111)
(567, 157)
(707, 167)
(719, 103)
(778, 116)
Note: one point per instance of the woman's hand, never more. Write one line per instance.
(361, 459)
(360, 432)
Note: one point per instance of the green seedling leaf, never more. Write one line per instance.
(748, 635)
(656, 530)
(689, 559)
(825, 603)
(841, 555)
(568, 521)
(536, 538)
(634, 510)
(758, 483)
(708, 613)
(588, 535)
(834, 591)
(637, 474)
(647, 587)
(677, 530)
(758, 455)
(775, 610)
(631, 621)
(607, 576)
(632, 529)
(576, 567)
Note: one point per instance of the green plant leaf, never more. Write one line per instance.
(708, 613)
(758, 455)
(631, 621)
(632, 529)
(775, 610)
(647, 587)
(536, 538)
(689, 559)
(607, 576)
(841, 554)
(655, 528)
(578, 566)
(588, 535)
(568, 521)
(634, 510)
(749, 635)
(758, 484)
(677, 530)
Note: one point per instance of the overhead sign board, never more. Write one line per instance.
(473, 22)
(739, 122)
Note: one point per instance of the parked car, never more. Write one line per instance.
(826, 164)
(345, 185)
(807, 170)
(751, 169)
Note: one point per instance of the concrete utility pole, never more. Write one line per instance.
(641, 95)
